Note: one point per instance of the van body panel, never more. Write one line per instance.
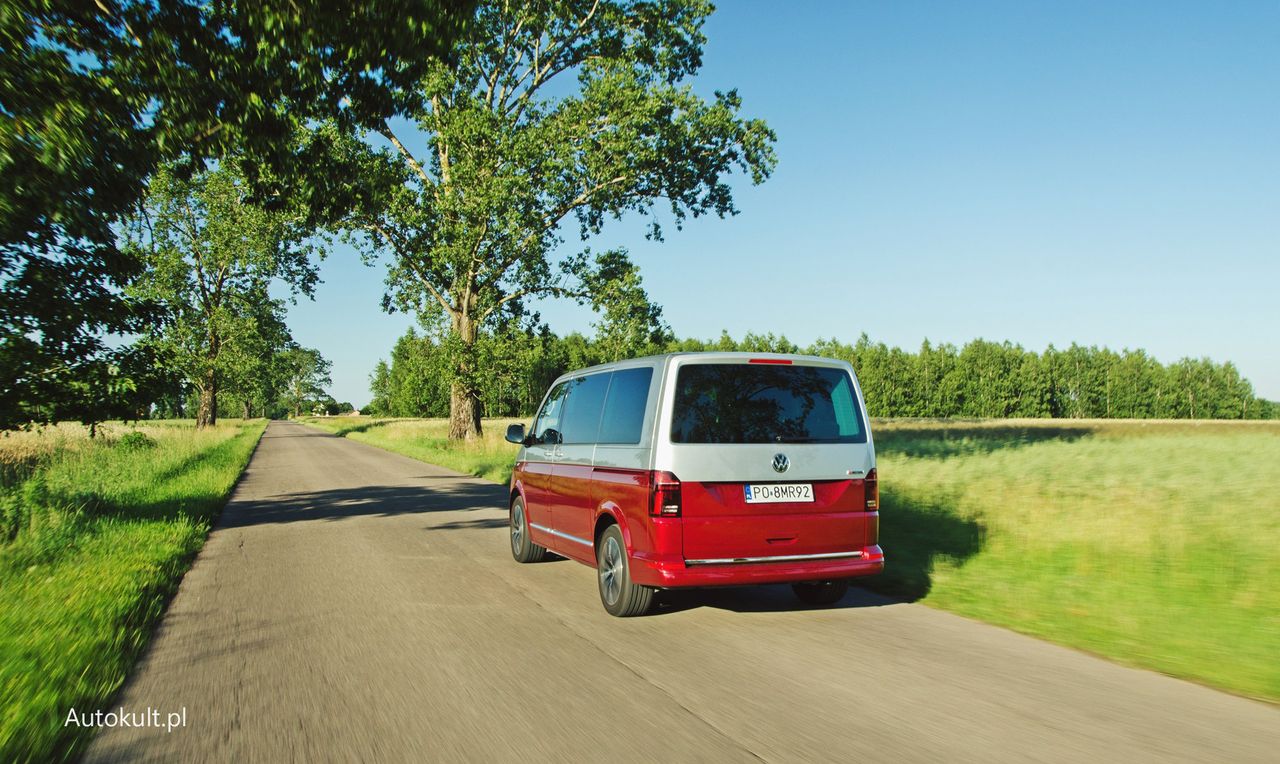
(627, 500)
(718, 538)
(573, 511)
(681, 574)
(720, 524)
(535, 482)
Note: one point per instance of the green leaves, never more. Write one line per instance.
(211, 255)
(96, 96)
(553, 114)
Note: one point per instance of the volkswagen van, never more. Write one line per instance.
(701, 469)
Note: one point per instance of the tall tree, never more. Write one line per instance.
(211, 256)
(555, 113)
(94, 96)
(307, 377)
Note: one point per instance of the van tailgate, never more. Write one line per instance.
(719, 523)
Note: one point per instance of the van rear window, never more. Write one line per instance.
(744, 403)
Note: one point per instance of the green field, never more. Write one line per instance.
(1153, 543)
(94, 538)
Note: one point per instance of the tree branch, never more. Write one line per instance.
(412, 265)
(498, 67)
(555, 291)
(385, 132)
(558, 214)
(545, 72)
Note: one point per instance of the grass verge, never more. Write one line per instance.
(489, 457)
(96, 536)
(1156, 544)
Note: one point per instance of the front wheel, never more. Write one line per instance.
(821, 592)
(621, 596)
(522, 547)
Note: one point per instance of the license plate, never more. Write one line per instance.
(777, 493)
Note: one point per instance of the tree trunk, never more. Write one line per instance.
(207, 414)
(464, 414)
(464, 409)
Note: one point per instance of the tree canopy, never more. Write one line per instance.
(211, 255)
(980, 379)
(94, 97)
(554, 116)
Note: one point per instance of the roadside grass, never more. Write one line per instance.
(95, 538)
(489, 457)
(1154, 543)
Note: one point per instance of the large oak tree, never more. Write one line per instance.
(554, 116)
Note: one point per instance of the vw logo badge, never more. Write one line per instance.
(781, 463)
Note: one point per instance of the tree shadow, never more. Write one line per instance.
(368, 501)
(916, 533)
(946, 440)
(468, 525)
(313, 429)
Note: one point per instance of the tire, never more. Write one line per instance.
(821, 592)
(618, 593)
(522, 548)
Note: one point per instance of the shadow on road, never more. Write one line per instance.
(381, 501)
(467, 525)
(756, 599)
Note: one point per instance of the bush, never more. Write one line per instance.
(136, 441)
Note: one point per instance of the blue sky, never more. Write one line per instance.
(1100, 173)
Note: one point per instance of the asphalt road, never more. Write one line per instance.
(355, 605)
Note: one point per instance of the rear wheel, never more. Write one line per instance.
(522, 547)
(821, 592)
(621, 596)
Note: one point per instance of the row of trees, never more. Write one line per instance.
(461, 141)
(211, 255)
(980, 379)
(96, 98)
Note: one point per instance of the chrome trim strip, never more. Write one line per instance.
(775, 558)
(562, 535)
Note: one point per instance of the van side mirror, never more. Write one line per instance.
(515, 434)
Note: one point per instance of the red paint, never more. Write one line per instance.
(715, 522)
(533, 480)
(573, 509)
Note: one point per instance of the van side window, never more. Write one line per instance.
(546, 428)
(581, 418)
(623, 417)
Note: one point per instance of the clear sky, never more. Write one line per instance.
(1104, 173)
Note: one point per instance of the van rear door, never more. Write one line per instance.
(771, 454)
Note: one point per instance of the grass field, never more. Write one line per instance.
(94, 538)
(1153, 543)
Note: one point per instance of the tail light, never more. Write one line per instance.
(871, 489)
(665, 494)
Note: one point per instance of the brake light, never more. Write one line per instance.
(871, 489)
(778, 361)
(664, 494)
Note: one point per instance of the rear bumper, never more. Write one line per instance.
(673, 574)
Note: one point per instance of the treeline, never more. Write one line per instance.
(980, 379)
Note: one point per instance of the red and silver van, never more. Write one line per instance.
(701, 469)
